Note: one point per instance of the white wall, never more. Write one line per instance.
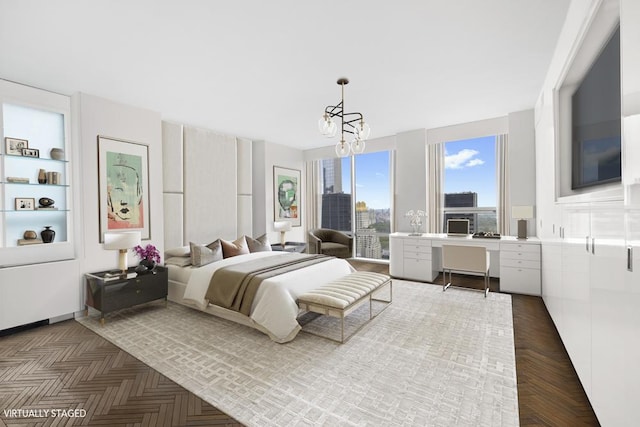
(97, 116)
(411, 176)
(522, 165)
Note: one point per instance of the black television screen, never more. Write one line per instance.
(596, 121)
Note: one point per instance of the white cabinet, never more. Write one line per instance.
(608, 264)
(411, 258)
(38, 281)
(520, 268)
(575, 291)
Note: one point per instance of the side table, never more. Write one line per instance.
(299, 247)
(108, 291)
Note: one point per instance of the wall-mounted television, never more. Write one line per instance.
(596, 120)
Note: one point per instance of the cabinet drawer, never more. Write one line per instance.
(416, 248)
(417, 269)
(519, 263)
(135, 291)
(519, 247)
(520, 280)
(425, 256)
(521, 256)
(417, 242)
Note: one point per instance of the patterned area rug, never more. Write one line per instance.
(431, 358)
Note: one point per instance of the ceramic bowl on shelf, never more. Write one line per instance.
(57, 153)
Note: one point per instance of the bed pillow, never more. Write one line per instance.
(237, 247)
(205, 254)
(180, 261)
(260, 244)
(180, 252)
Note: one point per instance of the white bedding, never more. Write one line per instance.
(274, 308)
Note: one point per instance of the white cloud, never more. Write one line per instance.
(474, 162)
(463, 158)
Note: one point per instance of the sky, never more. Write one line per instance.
(372, 179)
(469, 166)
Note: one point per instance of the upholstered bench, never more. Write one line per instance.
(341, 297)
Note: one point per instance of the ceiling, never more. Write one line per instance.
(265, 70)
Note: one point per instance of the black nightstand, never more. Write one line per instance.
(107, 292)
(299, 247)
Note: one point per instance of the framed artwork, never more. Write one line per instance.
(286, 195)
(31, 152)
(14, 146)
(25, 204)
(123, 175)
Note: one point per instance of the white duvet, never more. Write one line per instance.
(274, 308)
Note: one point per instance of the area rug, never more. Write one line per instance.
(432, 358)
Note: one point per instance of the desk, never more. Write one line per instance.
(516, 262)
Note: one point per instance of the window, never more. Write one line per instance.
(335, 200)
(373, 204)
(364, 212)
(470, 188)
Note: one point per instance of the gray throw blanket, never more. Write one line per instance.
(235, 286)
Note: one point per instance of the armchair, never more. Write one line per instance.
(330, 242)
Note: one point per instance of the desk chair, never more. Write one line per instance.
(471, 259)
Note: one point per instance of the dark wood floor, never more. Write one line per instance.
(67, 366)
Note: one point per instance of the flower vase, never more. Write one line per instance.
(42, 176)
(47, 234)
(145, 266)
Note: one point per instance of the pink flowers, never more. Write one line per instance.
(149, 252)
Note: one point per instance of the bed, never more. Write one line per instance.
(274, 310)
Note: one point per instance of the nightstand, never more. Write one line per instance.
(299, 247)
(107, 292)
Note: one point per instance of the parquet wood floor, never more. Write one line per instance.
(66, 366)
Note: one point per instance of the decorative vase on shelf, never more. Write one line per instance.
(57, 153)
(47, 234)
(42, 176)
(29, 235)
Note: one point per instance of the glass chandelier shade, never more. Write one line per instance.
(342, 149)
(352, 123)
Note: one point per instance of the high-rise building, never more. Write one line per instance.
(336, 211)
(367, 240)
(332, 176)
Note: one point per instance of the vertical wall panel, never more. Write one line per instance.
(172, 160)
(210, 186)
(245, 215)
(173, 220)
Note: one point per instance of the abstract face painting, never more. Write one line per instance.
(125, 208)
(123, 171)
(286, 195)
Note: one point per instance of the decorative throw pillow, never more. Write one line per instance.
(180, 261)
(203, 255)
(237, 247)
(180, 251)
(260, 244)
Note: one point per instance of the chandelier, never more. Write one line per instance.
(352, 123)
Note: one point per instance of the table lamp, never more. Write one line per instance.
(522, 214)
(122, 242)
(282, 227)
